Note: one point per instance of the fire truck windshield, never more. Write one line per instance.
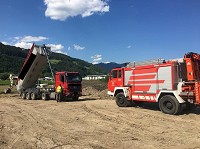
(73, 77)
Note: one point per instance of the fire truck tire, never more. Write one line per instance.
(23, 95)
(122, 101)
(33, 96)
(28, 96)
(169, 104)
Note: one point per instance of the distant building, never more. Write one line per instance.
(94, 77)
(48, 78)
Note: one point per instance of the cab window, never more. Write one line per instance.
(116, 73)
(119, 73)
(62, 78)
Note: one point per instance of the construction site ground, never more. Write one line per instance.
(93, 122)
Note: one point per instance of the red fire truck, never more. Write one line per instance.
(174, 84)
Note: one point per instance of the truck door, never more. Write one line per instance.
(60, 80)
(115, 79)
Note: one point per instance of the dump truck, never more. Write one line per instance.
(173, 84)
(37, 58)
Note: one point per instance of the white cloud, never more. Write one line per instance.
(78, 47)
(96, 58)
(106, 62)
(24, 45)
(58, 48)
(27, 41)
(62, 9)
(33, 39)
(30, 38)
(128, 47)
(5, 43)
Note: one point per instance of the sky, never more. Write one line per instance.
(104, 30)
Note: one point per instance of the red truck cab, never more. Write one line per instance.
(70, 83)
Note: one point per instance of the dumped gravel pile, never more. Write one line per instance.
(90, 91)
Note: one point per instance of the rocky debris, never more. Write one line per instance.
(90, 91)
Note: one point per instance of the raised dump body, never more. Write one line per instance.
(32, 67)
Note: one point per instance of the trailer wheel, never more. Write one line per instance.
(23, 95)
(122, 101)
(28, 96)
(33, 96)
(44, 96)
(168, 104)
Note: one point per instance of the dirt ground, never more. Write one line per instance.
(93, 123)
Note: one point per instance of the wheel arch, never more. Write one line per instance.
(172, 93)
(118, 91)
(121, 90)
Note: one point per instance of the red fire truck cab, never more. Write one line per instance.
(174, 84)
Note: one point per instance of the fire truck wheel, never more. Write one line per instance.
(33, 96)
(122, 101)
(168, 104)
(23, 95)
(28, 96)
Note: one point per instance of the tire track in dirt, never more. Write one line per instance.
(119, 125)
(45, 128)
(145, 122)
(30, 124)
(108, 118)
(93, 124)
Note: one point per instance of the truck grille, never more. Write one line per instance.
(74, 87)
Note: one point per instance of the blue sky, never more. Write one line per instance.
(104, 30)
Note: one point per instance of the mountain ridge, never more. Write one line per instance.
(12, 59)
(108, 66)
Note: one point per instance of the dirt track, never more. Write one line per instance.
(91, 123)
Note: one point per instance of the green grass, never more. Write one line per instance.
(3, 87)
(54, 61)
(46, 82)
(4, 82)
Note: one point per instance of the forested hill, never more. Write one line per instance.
(12, 59)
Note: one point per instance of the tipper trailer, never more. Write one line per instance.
(174, 84)
(36, 60)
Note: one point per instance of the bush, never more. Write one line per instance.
(4, 76)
